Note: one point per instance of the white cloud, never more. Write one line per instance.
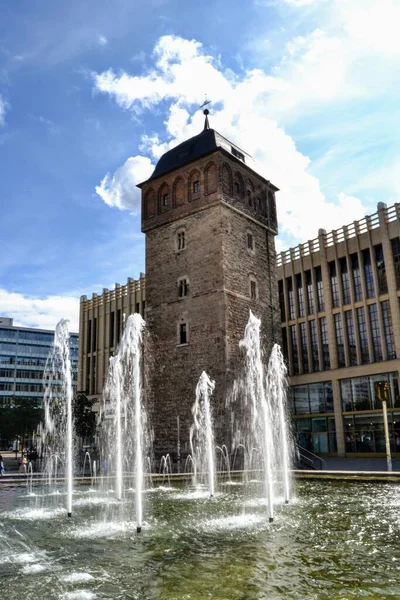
(181, 74)
(3, 108)
(44, 313)
(119, 190)
(102, 40)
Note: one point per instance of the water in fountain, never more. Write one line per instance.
(56, 443)
(201, 433)
(261, 423)
(126, 440)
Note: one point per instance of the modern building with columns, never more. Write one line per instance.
(339, 304)
(101, 325)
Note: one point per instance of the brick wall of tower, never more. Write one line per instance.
(177, 368)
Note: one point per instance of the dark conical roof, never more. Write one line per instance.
(200, 145)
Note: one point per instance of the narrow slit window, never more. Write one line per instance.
(181, 240)
(165, 200)
(250, 242)
(182, 333)
(196, 187)
(183, 287)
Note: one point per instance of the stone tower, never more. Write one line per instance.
(210, 222)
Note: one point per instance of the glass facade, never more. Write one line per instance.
(304, 352)
(282, 301)
(344, 274)
(396, 259)
(388, 330)
(326, 362)
(295, 352)
(312, 398)
(314, 433)
(368, 274)
(290, 292)
(375, 332)
(381, 270)
(355, 267)
(320, 289)
(365, 433)
(310, 293)
(314, 345)
(334, 284)
(351, 337)
(339, 340)
(23, 357)
(366, 393)
(300, 295)
(362, 331)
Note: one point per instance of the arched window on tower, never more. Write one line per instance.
(164, 200)
(178, 192)
(249, 193)
(149, 204)
(238, 186)
(226, 180)
(210, 178)
(194, 185)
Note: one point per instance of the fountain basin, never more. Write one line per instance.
(337, 540)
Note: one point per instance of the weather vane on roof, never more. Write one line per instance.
(206, 112)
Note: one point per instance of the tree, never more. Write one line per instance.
(84, 417)
(20, 418)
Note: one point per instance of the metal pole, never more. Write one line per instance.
(387, 439)
(178, 446)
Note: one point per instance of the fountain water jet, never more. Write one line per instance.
(57, 431)
(127, 428)
(201, 432)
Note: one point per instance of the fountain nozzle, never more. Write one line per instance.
(138, 529)
(271, 520)
(69, 515)
(286, 501)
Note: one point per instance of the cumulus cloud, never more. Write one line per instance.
(3, 108)
(119, 190)
(44, 313)
(182, 71)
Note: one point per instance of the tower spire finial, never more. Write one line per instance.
(206, 112)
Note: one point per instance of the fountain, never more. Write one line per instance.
(125, 417)
(201, 432)
(192, 547)
(56, 443)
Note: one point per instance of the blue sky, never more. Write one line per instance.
(92, 93)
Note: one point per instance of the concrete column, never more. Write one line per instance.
(337, 405)
(328, 300)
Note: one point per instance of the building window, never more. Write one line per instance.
(165, 200)
(289, 284)
(351, 337)
(249, 198)
(381, 271)
(310, 293)
(282, 301)
(368, 274)
(250, 241)
(334, 284)
(183, 333)
(196, 187)
(253, 289)
(375, 331)
(320, 289)
(388, 329)
(237, 189)
(295, 353)
(345, 281)
(111, 330)
(355, 267)
(89, 336)
(183, 287)
(396, 259)
(285, 344)
(304, 350)
(339, 340)
(314, 345)
(326, 362)
(180, 240)
(94, 335)
(300, 295)
(362, 331)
